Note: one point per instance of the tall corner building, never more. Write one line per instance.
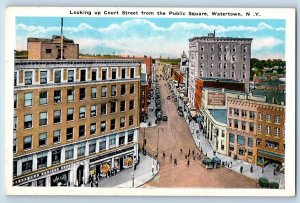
(74, 118)
(218, 57)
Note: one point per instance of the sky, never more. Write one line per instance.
(165, 37)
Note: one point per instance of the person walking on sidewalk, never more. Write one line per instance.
(175, 162)
(171, 157)
(164, 155)
(188, 162)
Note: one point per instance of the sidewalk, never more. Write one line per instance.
(123, 179)
(236, 164)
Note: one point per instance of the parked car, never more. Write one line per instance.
(158, 116)
(179, 108)
(168, 97)
(165, 118)
(158, 107)
(180, 113)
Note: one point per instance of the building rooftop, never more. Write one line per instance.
(277, 96)
(219, 79)
(212, 36)
(219, 115)
(224, 90)
(54, 38)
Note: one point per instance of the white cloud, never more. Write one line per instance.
(265, 42)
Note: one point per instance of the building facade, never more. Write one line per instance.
(255, 131)
(41, 48)
(74, 118)
(219, 57)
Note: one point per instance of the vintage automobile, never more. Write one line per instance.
(158, 116)
(180, 113)
(165, 118)
(168, 97)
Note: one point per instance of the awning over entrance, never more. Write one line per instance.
(269, 154)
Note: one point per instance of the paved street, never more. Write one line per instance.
(174, 135)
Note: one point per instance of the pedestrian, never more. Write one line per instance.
(152, 169)
(189, 151)
(164, 155)
(262, 169)
(181, 150)
(193, 152)
(185, 156)
(251, 168)
(274, 172)
(170, 157)
(188, 162)
(241, 169)
(175, 162)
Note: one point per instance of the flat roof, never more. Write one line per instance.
(219, 79)
(225, 90)
(219, 115)
(221, 38)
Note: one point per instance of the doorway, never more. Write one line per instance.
(80, 175)
(121, 163)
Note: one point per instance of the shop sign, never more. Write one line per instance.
(216, 98)
(110, 154)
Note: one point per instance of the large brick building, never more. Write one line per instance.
(255, 130)
(74, 118)
(218, 57)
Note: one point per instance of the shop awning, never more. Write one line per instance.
(270, 154)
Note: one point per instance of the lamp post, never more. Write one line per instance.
(133, 165)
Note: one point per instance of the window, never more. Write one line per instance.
(28, 77)
(123, 89)
(81, 130)
(131, 88)
(243, 125)
(277, 132)
(81, 93)
(230, 111)
(15, 122)
(233, 74)
(102, 144)
(82, 75)
(201, 65)
(211, 74)
(69, 133)
(94, 74)
(130, 136)
(131, 72)
(57, 96)
(233, 58)
(131, 104)
(244, 113)
(201, 74)
(48, 51)
(27, 142)
(225, 57)
(212, 57)
(56, 154)
(93, 128)
(70, 114)
(103, 126)
(114, 90)
(114, 74)
(43, 98)
(57, 116)
(260, 116)
(112, 124)
(28, 99)
(244, 75)
(234, 49)
(15, 78)
(103, 109)
(104, 74)
(231, 138)
(241, 152)
(236, 123)
(122, 105)
(70, 75)
(230, 122)
(244, 57)
(245, 48)
(244, 66)
(259, 128)
(251, 126)
(225, 65)
(57, 75)
(122, 139)
(56, 136)
(130, 120)
(268, 130)
(277, 119)
(27, 165)
(240, 140)
(93, 92)
(113, 107)
(252, 115)
(69, 152)
(250, 153)
(42, 160)
(43, 139)
(81, 150)
(93, 110)
(103, 91)
(258, 141)
(123, 73)
(92, 147)
(43, 118)
(250, 142)
(122, 122)
(112, 141)
(43, 77)
(70, 94)
(82, 112)
(236, 112)
(271, 144)
(268, 117)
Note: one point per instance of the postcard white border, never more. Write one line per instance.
(265, 13)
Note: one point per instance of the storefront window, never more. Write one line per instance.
(240, 140)
(41, 182)
(42, 160)
(27, 164)
(56, 156)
